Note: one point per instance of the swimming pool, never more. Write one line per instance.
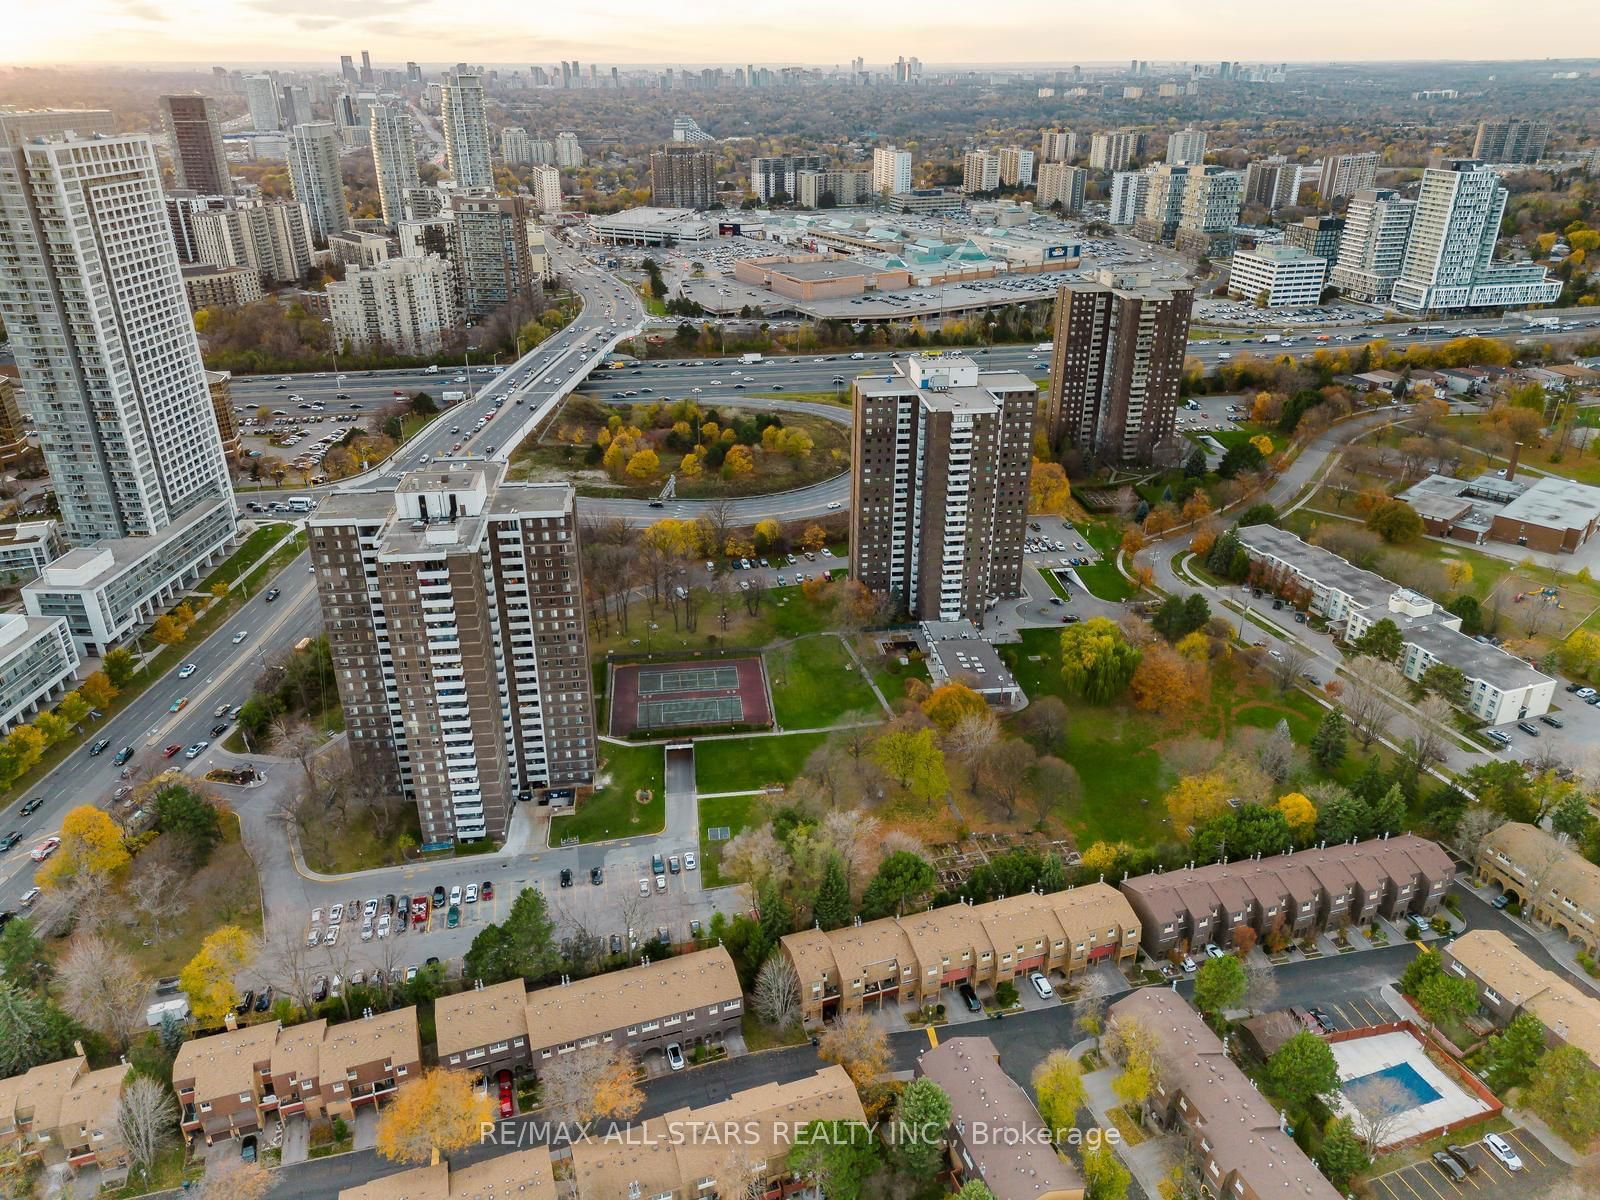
(1412, 1090)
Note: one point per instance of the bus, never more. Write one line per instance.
(300, 504)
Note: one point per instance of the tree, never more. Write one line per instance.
(1447, 682)
(190, 819)
(589, 1084)
(858, 1045)
(1166, 682)
(1302, 1070)
(147, 1116)
(949, 703)
(777, 992)
(103, 987)
(1341, 1157)
(441, 1111)
(1194, 800)
(523, 946)
(1377, 1105)
(1219, 984)
(836, 1155)
(98, 689)
(974, 1189)
(22, 955)
(91, 851)
(1104, 1176)
(1566, 1092)
(1514, 1052)
(231, 1178)
(1059, 1092)
(921, 1116)
(119, 666)
(1396, 522)
(831, 906)
(1243, 832)
(31, 1030)
(1328, 742)
(1260, 976)
(1300, 813)
(209, 977)
(1097, 662)
(1382, 641)
(1367, 696)
(913, 761)
(1446, 999)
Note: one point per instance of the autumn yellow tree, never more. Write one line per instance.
(768, 534)
(692, 466)
(91, 850)
(166, 630)
(814, 538)
(860, 1046)
(1262, 443)
(98, 689)
(948, 703)
(1101, 857)
(209, 979)
(1196, 506)
(1049, 493)
(1166, 682)
(1195, 799)
(1459, 574)
(1301, 814)
(441, 1111)
(739, 463)
(1195, 647)
(643, 464)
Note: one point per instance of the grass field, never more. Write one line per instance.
(784, 613)
(815, 683)
(1102, 578)
(746, 764)
(891, 676)
(612, 811)
(735, 812)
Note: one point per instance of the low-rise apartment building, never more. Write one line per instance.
(1282, 276)
(689, 999)
(221, 287)
(1500, 686)
(64, 1113)
(1235, 1134)
(38, 664)
(692, 1153)
(1297, 893)
(1510, 983)
(525, 1175)
(915, 959)
(1555, 884)
(230, 1084)
(996, 1135)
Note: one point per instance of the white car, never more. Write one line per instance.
(644, 887)
(370, 908)
(332, 936)
(455, 894)
(316, 916)
(384, 924)
(336, 914)
(834, 504)
(1502, 1150)
(472, 894)
(366, 933)
(1188, 964)
(314, 937)
(187, 670)
(689, 861)
(1041, 985)
(30, 897)
(675, 1056)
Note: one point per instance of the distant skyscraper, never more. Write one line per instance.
(1016, 166)
(1116, 366)
(891, 170)
(980, 171)
(687, 129)
(466, 131)
(545, 181)
(515, 148)
(569, 151)
(315, 173)
(939, 490)
(198, 161)
(347, 69)
(261, 94)
(294, 105)
(1272, 182)
(1063, 183)
(1058, 145)
(93, 298)
(1187, 147)
(413, 73)
(774, 174)
(1449, 261)
(1163, 203)
(1114, 150)
(1347, 174)
(1510, 141)
(1211, 206)
(1129, 191)
(489, 248)
(271, 237)
(394, 157)
(1373, 247)
(683, 177)
(366, 69)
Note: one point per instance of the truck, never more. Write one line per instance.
(157, 1013)
(433, 370)
(1271, 339)
(453, 398)
(1045, 348)
(1543, 322)
(302, 645)
(748, 359)
(300, 504)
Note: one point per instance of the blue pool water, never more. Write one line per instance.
(1416, 1090)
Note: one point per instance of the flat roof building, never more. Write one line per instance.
(1283, 276)
(956, 652)
(651, 226)
(813, 277)
(521, 1175)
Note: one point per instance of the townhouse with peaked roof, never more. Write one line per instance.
(1555, 884)
(689, 999)
(230, 1084)
(62, 1112)
(693, 1153)
(996, 1134)
(1236, 1135)
(1510, 983)
(522, 1175)
(1302, 892)
(914, 959)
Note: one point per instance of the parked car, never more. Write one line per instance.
(471, 896)
(689, 860)
(674, 1056)
(1464, 1157)
(1502, 901)
(1501, 1149)
(1215, 951)
(1529, 728)
(438, 896)
(487, 890)
(1446, 1163)
(264, 999)
(508, 1104)
(1188, 964)
(661, 883)
(596, 876)
(969, 997)
(566, 877)
(644, 887)
(452, 917)
(1041, 985)
(455, 895)
(674, 864)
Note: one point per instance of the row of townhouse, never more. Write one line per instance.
(1555, 884)
(524, 1175)
(1298, 893)
(690, 999)
(64, 1113)
(233, 1083)
(1510, 983)
(915, 959)
(1236, 1136)
(1500, 686)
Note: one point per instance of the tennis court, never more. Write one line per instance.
(730, 693)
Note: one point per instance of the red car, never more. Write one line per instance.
(508, 1106)
(171, 750)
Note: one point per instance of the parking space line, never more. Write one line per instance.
(1514, 1135)
(1343, 1016)
(1401, 1176)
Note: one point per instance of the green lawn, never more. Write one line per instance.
(252, 548)
(784, 613)
(891, 677)
(815, 683)
(612, 811)
(731, 811)
(1103, 578)
(746, 764)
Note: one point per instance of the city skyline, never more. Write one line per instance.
(625, 33)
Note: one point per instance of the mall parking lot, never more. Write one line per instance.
(1425, 1181)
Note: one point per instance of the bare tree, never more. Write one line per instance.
(1275, 754)
(850, 833)
(1477, 823)
(972, 736)
(103, 987)
(743, 1173)
(777, 991)
(147, 1114)
(1003, 770)
(586, 1084)
(1426, 745)
(1377, 1106)
(289, 965)
(1260, 983)
(1288, 665)
(1094, 995)
(228, 1177)
(1369, 696)
(159, 885)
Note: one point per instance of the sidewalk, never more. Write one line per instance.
(1149, 1161)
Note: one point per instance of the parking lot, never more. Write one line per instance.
(1054, 542)
(1424, 1180)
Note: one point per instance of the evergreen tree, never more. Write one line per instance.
(1514, 1053)
(831, 909)
(1328, 742)
(1373, 782)
(1195, 466)
(1388, 815)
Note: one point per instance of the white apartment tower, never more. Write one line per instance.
(569, 151)
(1129, 192)
(1377, 225)
(515, 148)
(271, 237)
(1016, 166)
(394, 158)
(891, 170)
(1347, 174)
(318, 183)
(546, 183)
(466, 131)
(261, 94)
(980, 171)
(1449, 262)
(1187, 147)
(1063, 183)
(1058, 145)
(454, 611)
(403, 304)
(1113, 151)
(92, 296)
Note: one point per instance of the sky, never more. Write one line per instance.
(820, 32)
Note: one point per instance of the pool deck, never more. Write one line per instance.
(1360, 1057)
